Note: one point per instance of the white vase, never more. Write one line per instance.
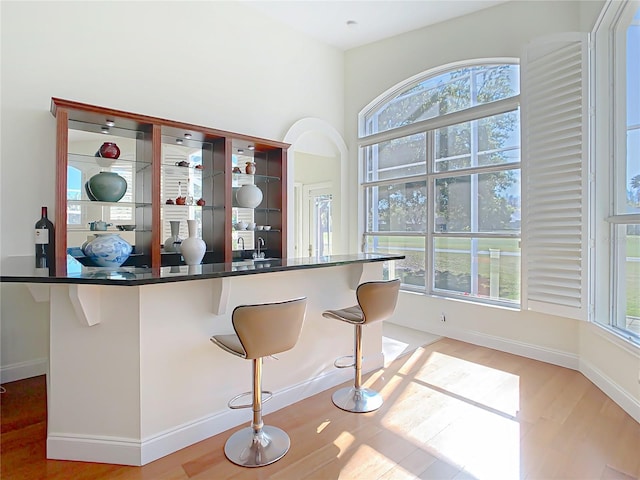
(192, 247)
(249, 196)
(172, 243)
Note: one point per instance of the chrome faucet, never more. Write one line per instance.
(238, 242)
(259, 242)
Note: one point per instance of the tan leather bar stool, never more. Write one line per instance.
(261, 331)
(376, 302)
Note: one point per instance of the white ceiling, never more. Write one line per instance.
(376, 19)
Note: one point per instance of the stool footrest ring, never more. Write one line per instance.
(266, 396)
(340, 362)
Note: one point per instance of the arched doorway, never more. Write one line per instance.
(317, 172)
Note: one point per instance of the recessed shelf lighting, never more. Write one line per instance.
(241, 150)
(104, 129)
(187, 135)
(179, 141)
(110, 123)
(251, 147)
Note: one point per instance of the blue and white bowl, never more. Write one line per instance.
(108, 250)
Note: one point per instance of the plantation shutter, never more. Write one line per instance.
(555, 176)
(171, 175)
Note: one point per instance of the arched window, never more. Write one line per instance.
(441, 179)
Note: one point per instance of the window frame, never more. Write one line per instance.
(429, 127)
(609, 135)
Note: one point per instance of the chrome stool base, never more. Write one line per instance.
(357, 400)
(249, 448)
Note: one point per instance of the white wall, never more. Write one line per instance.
(501, 31)
(218, 64)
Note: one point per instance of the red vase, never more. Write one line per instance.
(109, 150)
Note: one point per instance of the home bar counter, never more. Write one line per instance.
(132, 374)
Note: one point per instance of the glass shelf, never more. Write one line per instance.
(92, 203)
(92, 160)
(240, 179)
(177, 173)
(173, 205)
(177, 168)
(192, 167)
(72, 228)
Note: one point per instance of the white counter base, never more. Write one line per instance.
(145, 381)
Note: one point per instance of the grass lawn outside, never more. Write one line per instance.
(453, 259)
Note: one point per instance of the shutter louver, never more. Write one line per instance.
(555, 173)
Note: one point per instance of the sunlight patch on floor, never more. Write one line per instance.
(398, 341)
(469, 414)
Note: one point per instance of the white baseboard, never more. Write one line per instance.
(125, 451)
(22, 370)
(84, 448)
(626, 401)
(536, 352)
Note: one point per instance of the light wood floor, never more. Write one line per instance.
(452, 411)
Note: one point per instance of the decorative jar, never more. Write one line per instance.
(250, 168)
(107, 154)
(106, 187)
(249, 196)
(108, 250)
(108, 150)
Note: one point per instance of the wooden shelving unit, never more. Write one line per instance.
(149, 139)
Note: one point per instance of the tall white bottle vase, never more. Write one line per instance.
(192, 247)
(173, 243)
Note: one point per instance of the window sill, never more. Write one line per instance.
(468, 301)
(617, 338)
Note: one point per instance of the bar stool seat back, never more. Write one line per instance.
(267, 329)
(377, 300)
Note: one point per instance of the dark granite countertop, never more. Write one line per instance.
(22, 269)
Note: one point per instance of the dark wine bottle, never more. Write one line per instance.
(45, 243)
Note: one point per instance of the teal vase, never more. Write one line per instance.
(106, 187)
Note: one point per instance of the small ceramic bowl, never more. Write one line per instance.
(267, 227)
(259, 227)
(126, 228)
